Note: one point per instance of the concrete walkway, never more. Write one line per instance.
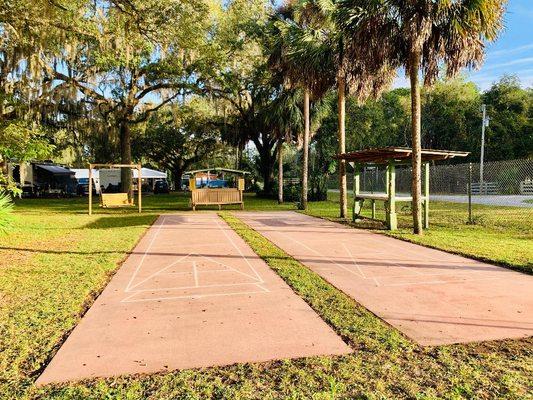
(432, 296)
(489, 200)
(191, 294)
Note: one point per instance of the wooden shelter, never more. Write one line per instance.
(112, 200)
(216, 195)
(391, 157)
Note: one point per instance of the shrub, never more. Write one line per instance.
(6, 207)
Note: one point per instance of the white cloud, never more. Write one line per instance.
(507, 52)
(508, 63)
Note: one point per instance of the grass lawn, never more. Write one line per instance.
(57, 258)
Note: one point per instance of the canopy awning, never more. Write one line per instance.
(398, 154)
(146, 173)
(83, 173)
(217, 169)
(55, 169)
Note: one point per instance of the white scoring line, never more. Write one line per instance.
(192, 297)
(238, 249)
(129, 288)
(145, 252)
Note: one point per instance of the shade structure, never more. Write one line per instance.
(146, 173)
(383, 155)
(55, 169)
(391, 157)
(83, 173)
(220, 194)
(217, 169)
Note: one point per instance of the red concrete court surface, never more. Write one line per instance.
(432, 296)
(191, 294)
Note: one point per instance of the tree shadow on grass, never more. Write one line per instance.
(120, 221)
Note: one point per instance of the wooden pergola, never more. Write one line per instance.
(391, 157)
(216, 196)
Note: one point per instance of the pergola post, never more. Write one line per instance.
(139, 187)
(392, 222)
(426, 195)
(90, 189)
(357, 204)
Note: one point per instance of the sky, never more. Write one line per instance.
(512, 53)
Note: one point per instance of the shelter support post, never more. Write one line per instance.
(139, 187)
(426, 195)
(357, 203)
(392, 222)
(90, 189)
(241, 185)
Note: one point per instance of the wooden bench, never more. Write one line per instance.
(384, 197)
(219, 197)
(112, 200)
(216, 196)
(389, 198)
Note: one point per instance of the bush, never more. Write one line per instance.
(6, 207)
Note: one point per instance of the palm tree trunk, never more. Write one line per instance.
(416, 183)
(343, 201)
(280, 172)
(305, 158)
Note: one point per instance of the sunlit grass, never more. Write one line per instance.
(503, 235)
(52, 264)
(56, 259)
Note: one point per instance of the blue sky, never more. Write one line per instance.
(512, 53)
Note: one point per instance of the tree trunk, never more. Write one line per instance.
(177, 173)
(416, 183)
(305, 155)
(280, 172)
(267, 161)
(343, 200)
(125, 158)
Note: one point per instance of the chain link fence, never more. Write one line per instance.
(469, 189)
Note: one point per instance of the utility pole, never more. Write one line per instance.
(484, 123)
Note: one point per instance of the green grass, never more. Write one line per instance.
(52, 264)
(56, 259)
(389, 365)
(502, 235)
(162, 203)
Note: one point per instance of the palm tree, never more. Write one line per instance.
(302, 56)
(285, 116)
(421, 36)
(316, 57)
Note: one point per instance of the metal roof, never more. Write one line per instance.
(217, 169)
(399, 154)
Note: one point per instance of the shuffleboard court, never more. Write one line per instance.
(191, 294)
(432, 296)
